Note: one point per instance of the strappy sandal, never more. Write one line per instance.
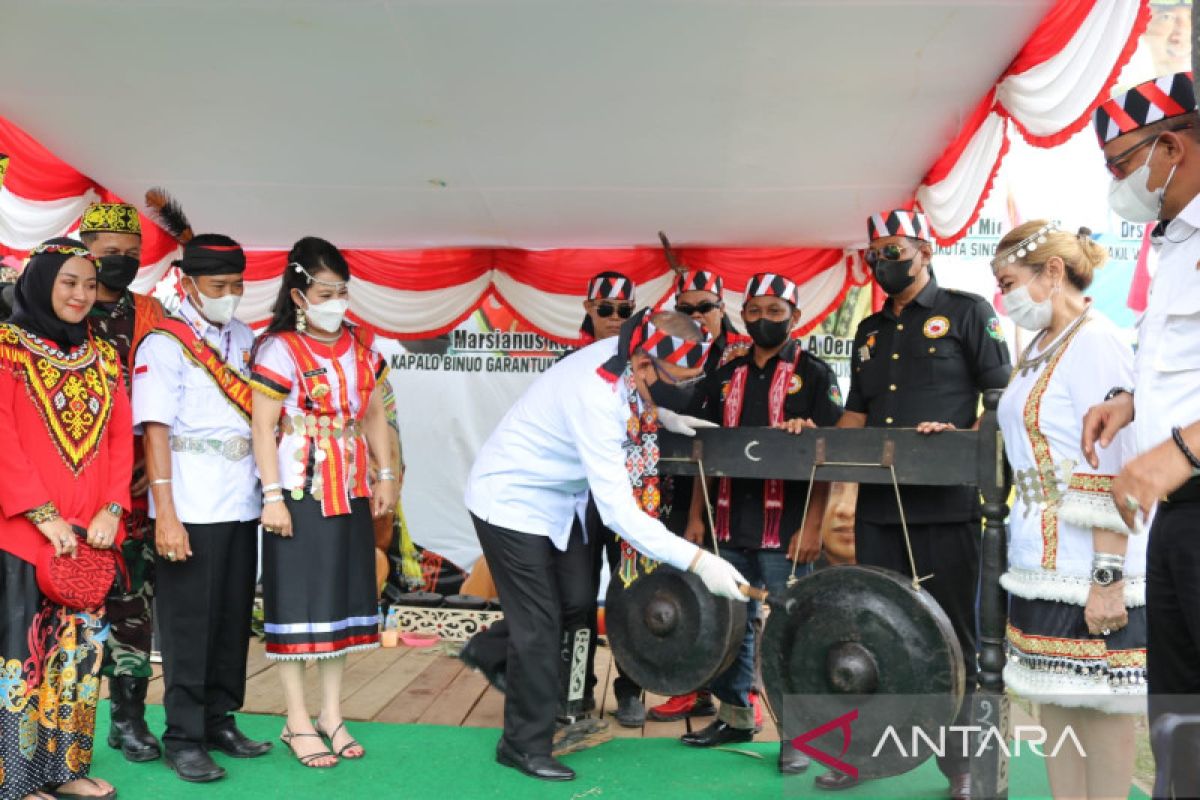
(352, 743)
(109, 795)
(287, 736)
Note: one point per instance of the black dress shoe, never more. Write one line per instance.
(791, 760)
(834, 781)
(546, 768)
(960, 786)
(127, 729)
(494, 676)
(233, 742)
(717, 733)
(631, 712)
(193, 764)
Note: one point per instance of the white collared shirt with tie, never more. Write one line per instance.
(564, 435)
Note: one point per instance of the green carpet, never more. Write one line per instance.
(419, 762)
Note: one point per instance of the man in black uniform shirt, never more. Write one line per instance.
(923, 362)
(775, 384)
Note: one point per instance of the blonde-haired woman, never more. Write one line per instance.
(1076, 636)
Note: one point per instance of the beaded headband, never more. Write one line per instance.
(62, 249)
(296, 265)
(1025, 246)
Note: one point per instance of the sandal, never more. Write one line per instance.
(287, 736)
(109, 795)
(330, 736)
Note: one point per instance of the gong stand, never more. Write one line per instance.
(888, 456)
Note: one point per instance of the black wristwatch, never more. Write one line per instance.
(1116, 390)
(1106, 576)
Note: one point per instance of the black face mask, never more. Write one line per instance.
(893, 276)
(769, 333)
(117, 272)
(672, 396)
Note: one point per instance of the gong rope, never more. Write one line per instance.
(708, 506)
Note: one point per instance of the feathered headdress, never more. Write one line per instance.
(169, 214)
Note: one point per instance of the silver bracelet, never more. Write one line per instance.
(275, 498)
(272, 487)
(1107, 560)
(159, 481)
(387, 475)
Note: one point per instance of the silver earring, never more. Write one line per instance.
(301, 321)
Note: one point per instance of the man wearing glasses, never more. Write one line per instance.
(1151, 143)
(609, 303)
(922, 362)
(776, 384)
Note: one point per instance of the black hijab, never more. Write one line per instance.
(32, 309)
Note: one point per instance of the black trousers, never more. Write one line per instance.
(950, 552)
(1173, 647)
(203, 607)
(605, 545)
(540, 587)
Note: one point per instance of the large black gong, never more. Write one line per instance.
(860, 640)
(668, 633)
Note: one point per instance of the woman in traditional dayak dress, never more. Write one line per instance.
(1076, 637)
(318, 417)
(66, 449)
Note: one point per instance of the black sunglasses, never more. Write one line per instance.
(700, 308)
(624, 311)
(889, 252)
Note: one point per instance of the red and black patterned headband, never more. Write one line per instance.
(698, 280)
(62, 249)
(670, 349)
(900, 222)
(1145, 104)
(610, 286)
(768, 284)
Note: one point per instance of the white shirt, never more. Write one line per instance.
(566, 434)
(1167, 364)
(1041, 416)
(170, 388)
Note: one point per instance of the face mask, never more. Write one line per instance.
(217, 310)
(1027, 313)
(667, 395)
(769, 333)
(1130, 199)
(893, 276)
(117, 272)
(327, 316)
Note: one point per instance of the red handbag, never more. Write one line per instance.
(80, 583)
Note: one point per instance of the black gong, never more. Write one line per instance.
(669, 634)
(421, 599)
(861, 645)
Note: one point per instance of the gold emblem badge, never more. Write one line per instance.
(936, 327)
(795, 384)
(320, 391)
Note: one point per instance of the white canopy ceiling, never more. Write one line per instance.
(514, 123)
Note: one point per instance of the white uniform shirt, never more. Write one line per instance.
(1041, 416)
(170, 388)
(566, 434)
(1167, 364)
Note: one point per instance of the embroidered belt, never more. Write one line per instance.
(316, 426)
(234, 449)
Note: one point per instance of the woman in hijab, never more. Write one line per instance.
(66, 440)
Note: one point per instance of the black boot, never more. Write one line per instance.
(127, 731)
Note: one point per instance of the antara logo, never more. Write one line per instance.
(801, 743)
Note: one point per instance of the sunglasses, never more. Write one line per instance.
(889, 252)
(706, 307)
(1113, 165)
(624, 311)
(682, 384)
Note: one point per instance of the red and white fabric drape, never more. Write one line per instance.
(1067, 67)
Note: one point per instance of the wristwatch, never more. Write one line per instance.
(1116, 390)
(114, 509)
(1106, 576)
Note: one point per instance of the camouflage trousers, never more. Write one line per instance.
(128, 608)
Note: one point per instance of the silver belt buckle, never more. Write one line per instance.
(235, 449)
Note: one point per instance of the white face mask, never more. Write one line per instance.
(1024, 311)
(1130, 199)
(217, 310)
(328, 315)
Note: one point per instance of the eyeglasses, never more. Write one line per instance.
(681, 383)
(700, 308)
(889, 252)
(1112, 164)
(624, 311)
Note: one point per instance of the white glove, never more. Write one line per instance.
(682, 423)
(719, 576)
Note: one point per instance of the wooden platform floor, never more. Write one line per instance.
(429, 686)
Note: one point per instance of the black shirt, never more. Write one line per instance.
(930, 364)
(813, 394)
